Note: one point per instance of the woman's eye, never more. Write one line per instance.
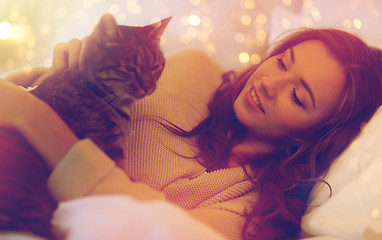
(296, 99)
(282, 65)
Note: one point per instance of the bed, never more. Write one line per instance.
(354, 211)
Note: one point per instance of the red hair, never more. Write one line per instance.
(283, 181)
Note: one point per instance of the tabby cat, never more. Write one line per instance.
(119, 65)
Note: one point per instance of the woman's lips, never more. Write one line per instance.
(254, 100)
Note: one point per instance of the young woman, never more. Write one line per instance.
(271, 133)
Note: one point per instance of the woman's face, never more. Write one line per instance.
(291, 94)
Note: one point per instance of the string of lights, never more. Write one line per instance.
(235, 33)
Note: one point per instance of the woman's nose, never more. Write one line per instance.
(272, 85)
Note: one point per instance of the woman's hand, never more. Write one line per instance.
(36, 121)
(65, 55)
(33, 118)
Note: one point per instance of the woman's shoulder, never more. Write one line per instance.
(194, 65)
(188, 81)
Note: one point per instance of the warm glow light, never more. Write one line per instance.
(246, 20)
(32, 29)
(5, 30)
(249, 4)
(308, 3)
(285, 23)
(255, 59)
(155, 20)
(19, 33)
(210, 48)
(261, 18)
(194, 20)
(315, 13)
(261, 34)
(244, 57)
(375, 213)
(206, 21)
(27, 68)
(307, 22)
(357, 23)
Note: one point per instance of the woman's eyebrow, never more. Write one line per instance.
(302, 81)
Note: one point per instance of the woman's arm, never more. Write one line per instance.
(33, 118)
(36, 121)
(77, 169)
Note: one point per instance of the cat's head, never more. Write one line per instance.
(127, 60)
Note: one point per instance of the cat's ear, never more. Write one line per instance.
(108, 29)
(157, 30)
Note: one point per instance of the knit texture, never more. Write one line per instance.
(154, 164)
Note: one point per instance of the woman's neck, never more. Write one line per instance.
(250, 147)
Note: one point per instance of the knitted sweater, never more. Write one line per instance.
(155, 167)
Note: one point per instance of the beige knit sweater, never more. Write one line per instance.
(154, 166)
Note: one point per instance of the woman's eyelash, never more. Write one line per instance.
(296, 99)
(282, 64)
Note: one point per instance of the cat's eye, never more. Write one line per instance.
(155, 67)
(131, 69)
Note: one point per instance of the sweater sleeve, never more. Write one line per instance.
(86, 171)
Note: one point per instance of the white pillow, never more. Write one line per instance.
(354, 211)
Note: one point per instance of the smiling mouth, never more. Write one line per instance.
(256, 99)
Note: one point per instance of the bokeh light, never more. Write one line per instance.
(234, 33)
(244, 57)
(194, 20)
(5, 30)
(357, 23)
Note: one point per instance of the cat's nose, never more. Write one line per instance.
(146, 84)
(150, 90)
